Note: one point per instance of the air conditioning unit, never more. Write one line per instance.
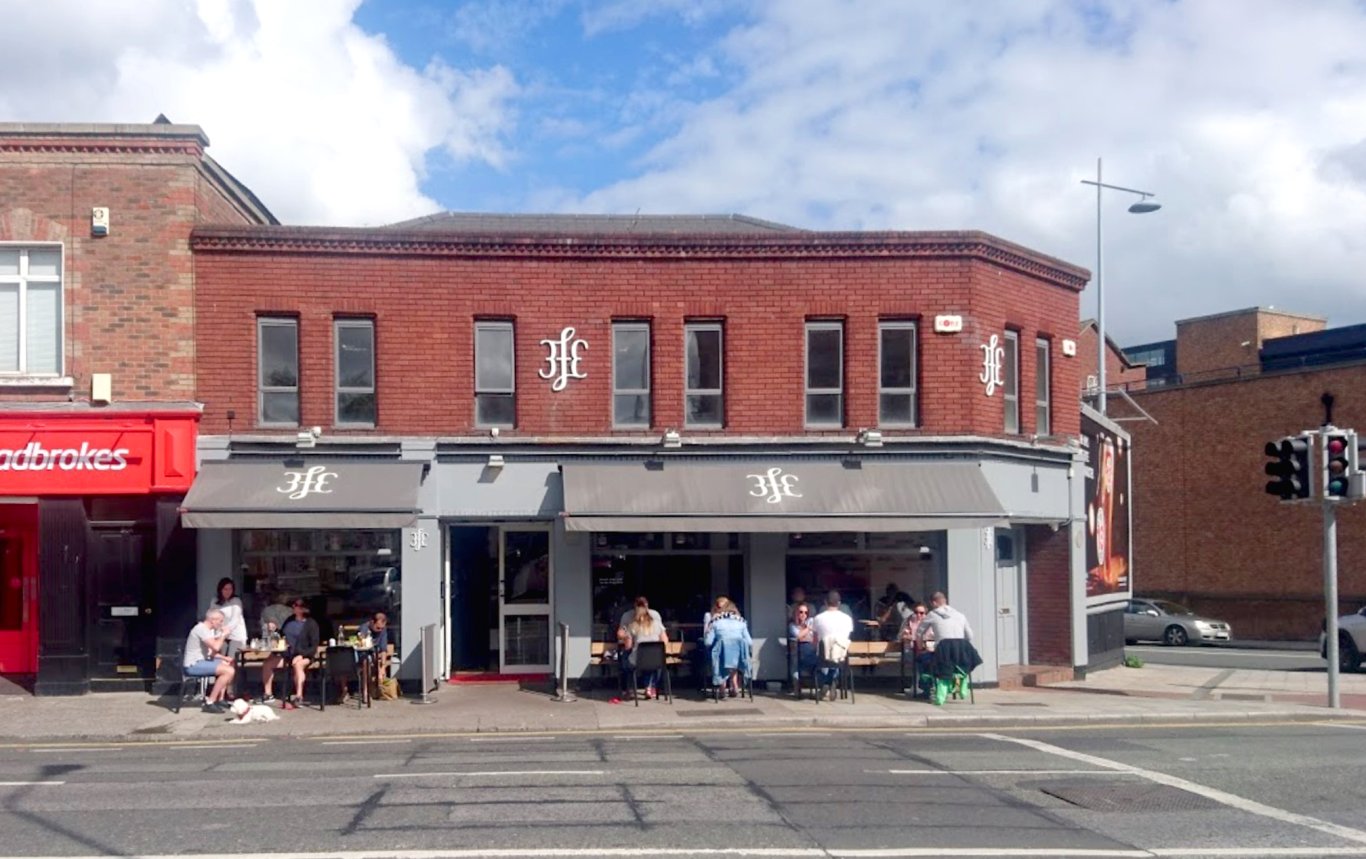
(1092, 385)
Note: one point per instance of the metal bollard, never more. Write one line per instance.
(562, 693)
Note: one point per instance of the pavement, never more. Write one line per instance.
(1148, 695)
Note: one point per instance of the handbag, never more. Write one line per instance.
(388, 689)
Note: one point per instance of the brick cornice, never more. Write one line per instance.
(100, 147)
(803, 245)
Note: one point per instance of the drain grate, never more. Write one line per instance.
(722, 711)
(1126, 796)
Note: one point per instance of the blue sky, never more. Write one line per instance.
(1247, 118)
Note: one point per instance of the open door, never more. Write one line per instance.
(524, 600)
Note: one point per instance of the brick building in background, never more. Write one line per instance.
(97, 393)
(530, 420)
(1205, 531)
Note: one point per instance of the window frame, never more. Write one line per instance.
(262, 389)
(1043, 384)
(496, 325)
(689, 328)
(812, 326)
(913, 390)
(633, 326)
(1010, 390)
(21, 282)
(339, 323)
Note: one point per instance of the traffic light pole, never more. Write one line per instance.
(1330, 596)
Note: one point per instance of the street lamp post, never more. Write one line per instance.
(1144, 205)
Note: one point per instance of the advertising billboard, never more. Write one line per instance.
(1108, 513)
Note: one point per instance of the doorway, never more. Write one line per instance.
(122, 574)
(18, 589)
(1008, 628)
(501, 586)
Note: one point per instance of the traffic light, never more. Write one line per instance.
(1290, 466)
(1339, 462)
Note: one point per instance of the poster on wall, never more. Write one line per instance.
(1108, 514)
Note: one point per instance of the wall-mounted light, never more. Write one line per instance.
(495, 460)
(870, 437)
(308, 437)
(672, 438)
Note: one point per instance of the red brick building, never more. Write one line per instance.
(1205, 531)
(97, 385)
(535, 419)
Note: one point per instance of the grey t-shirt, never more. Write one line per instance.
(196, 647)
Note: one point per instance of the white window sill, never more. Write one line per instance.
(36, 382)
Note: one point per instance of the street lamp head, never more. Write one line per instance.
(1145, 205)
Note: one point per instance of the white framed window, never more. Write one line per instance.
(277, 360)
(355, 362)
(703, 403)
(825, 374)
(31, 310)
(896, 356)
(630, 374)
(1043, 386)
(1010, 392)
(495, 381)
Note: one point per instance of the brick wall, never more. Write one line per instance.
(1118, 372)
(1226, 344)
(1205, 532)
(128, 296)
(1050, 596)
(425, 296)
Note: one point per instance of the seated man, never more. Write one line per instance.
(301, 640)
(953, 651)
(833, 629)
(374, 662)
(206, 656)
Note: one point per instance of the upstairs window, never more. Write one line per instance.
(1011, 391)
(631, 374)
(896, 356)
(824, 374)
(355, 360)
(702, 394)
(1043, 416)
(277, 357)
(31, 311)
(495, 388)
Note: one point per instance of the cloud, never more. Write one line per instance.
(1249, 120)
(321, 119)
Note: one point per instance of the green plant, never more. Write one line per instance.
(1132, 662)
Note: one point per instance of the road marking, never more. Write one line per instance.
(647, 737)
(491, 773)
(79, 749)
(512, 739)
(1352, 725)
(27, 783)
(362, 742)
(1229, 799)
(839, 853)
(215, 745)
(992, 772)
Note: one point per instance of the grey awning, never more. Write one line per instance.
(303, 494)
(517, 490)
(782, 495)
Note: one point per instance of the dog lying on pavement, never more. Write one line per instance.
(247, 712)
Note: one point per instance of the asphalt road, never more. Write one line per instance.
(1229, 656)
(1235, 791)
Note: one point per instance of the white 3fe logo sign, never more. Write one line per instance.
(773, 486)
(304, 483)
(993, 364)
(562, 364)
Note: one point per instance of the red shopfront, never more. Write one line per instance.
(93, 564)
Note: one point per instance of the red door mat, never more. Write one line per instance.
(495, 677)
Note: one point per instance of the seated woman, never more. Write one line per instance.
(802, 643)
(726, 635)
(916, 651)
(645, 627)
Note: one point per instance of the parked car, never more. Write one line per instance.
(1351, 640)
(379, 589)
(1170, 623)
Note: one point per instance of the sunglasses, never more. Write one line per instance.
(921, 613)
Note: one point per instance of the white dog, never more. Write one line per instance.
(250, 712)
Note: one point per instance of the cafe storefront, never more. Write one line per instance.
(92, 560)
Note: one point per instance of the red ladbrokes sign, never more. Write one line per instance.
(87, 456)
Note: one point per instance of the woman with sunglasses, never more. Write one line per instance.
(915, 651)
(801, 644)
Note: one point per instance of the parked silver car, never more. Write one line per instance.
(1170, 623)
